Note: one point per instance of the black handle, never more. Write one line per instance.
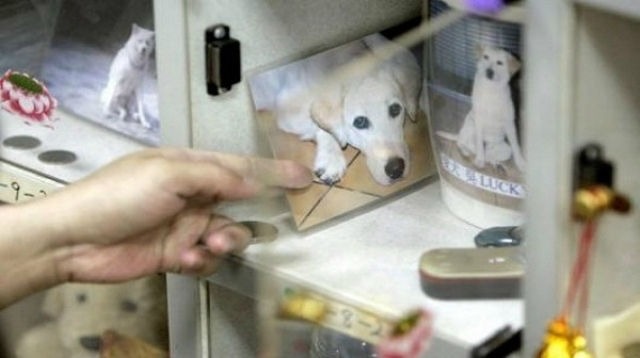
(222, 60)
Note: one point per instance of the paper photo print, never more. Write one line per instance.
(474, 96)
(101, 65)
(352, 115)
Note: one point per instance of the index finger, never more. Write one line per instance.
(268, 172)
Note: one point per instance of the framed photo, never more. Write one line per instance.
(352, 115)
(100, 65)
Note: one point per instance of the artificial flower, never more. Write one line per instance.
(27, 97)
(410, 337)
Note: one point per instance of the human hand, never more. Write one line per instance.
(151, 212)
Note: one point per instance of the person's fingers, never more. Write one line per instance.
(186, 230)
(198, 261)
(268, 172)
(199, 244)
(233, 238)
(224, 236)
(209, 181)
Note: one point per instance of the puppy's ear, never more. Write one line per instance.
(53, 302)
(326, 112)
(513, 64)
(411, 91)
(406, 74)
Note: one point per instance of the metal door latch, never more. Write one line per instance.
(222, 59)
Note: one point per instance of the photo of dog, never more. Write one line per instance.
(348, 120)
(122, 96)
(488, 133)
(366, 112)
(106, 73)
(475, 127)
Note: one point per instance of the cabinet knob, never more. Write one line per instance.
(222, 60)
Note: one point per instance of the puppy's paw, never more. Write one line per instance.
(330, 172)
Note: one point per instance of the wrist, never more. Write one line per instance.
(29, 251)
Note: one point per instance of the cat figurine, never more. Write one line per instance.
(122, 97)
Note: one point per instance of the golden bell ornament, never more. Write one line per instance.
(563, 341)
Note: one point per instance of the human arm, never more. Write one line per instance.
(145, 213)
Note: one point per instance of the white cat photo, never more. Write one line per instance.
(122, 97)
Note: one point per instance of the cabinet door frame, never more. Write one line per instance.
(186, 296)
(548, 141)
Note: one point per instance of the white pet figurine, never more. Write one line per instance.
(122, 97)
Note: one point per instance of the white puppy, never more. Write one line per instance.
(365, 111)
(122, 97)
(489, 129)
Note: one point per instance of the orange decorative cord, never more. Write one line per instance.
(579, 275)
(562, 339)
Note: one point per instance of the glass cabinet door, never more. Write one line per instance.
(365, 262)
(85, 52)
(78, 77)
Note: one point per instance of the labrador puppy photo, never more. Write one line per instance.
(366, 111)
(488, 134)
(352, 115)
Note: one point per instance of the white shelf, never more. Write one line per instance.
(18, 185)
(629, 8)
(93, 145)
(371, 261)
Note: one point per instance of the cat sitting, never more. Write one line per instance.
(122, 97)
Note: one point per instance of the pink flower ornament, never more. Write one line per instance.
(27, 97)
(410, 336)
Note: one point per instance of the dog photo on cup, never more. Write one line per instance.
(476, 134)
(362, 132)
(472, 75)
(488, 133)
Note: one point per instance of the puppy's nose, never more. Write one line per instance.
(394, 168)
(490, 73)
(91, 343)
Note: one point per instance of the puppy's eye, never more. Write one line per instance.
(486, 57)
(361, 122)
(500, 63)
(81, 298)
(128, 306)
(394, 110)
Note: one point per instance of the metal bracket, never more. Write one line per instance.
(222, 59)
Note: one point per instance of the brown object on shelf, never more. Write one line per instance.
(115, 345)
